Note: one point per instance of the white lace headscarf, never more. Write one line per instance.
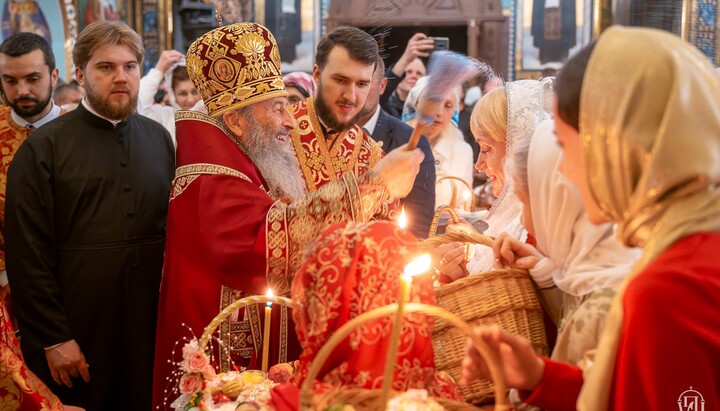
(580, 257)
(529, 103)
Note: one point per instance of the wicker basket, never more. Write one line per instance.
(365, 399)
(507, 298)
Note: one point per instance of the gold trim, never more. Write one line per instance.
(212, 103)
(277, 248)
(207, 168)
(283, 351)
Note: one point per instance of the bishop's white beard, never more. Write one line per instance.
(275, 159)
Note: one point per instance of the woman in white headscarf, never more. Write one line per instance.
(499, 119)
(585, 262)
(644, 152)
(453, 156)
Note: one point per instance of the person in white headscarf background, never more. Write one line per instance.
(181, 91)
(501, 117)
(584, 262)
(453, 156)
(643, 153)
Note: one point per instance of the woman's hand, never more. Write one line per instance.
(522, 368)
(450, 260)
(461, 227)
(509, 252)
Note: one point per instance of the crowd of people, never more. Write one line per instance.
(133, 209)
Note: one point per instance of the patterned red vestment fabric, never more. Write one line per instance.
(354, 268)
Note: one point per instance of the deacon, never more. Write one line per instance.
(27, 77)
(85, 226)
(239, 217)
(328, 140)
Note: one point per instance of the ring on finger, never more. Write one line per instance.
(443, 261)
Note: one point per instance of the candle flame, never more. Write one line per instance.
(269, 294)
(402, 220)
(466, 195)
(418, 266)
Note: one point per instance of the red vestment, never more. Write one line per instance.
(20, 389)
(228, 238)
(350, 151)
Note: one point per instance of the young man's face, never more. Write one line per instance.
(112, 80)
(27, 84)
(343, 86)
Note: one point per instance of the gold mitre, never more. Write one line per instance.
(235, 66)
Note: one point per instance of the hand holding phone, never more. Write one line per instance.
(440, 43)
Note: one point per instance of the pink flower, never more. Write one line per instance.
(196, 362)
(191, 383)
(280, 372)
(209, 372)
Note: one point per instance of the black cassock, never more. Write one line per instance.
(85, 234)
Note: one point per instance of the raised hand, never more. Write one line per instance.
(510, 252)
(398, 170)
(167, 59)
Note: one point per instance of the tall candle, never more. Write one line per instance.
(266, 330)
(417, 266)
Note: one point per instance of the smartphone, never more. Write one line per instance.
(440, 43)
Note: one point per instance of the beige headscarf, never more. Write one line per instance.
(650, 126)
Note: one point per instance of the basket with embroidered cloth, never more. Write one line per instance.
(506, 297)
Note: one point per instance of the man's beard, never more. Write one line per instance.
(275, 160)
(108, 109)
(34, 110)
(327, 116)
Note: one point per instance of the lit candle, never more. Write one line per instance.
(402, 220)
(417, 266)
(266, 336)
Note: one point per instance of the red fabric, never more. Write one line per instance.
(356, 268)
(215, 238)
(670, 340)
(20, 389)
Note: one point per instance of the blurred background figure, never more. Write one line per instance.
(68, 95)
(299, 85)
(453, 156)
(181, 93)
(403, 75)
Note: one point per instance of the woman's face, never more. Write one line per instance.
(573, 167)
(294, 95)
(441, 120)
(491, 160)
(185, 95)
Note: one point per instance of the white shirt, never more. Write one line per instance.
(369, 126)
(51, 115)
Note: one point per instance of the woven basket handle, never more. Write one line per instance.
(241, 303)
(436, 218)
(306, 393)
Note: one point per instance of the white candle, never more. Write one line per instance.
(417, 266)
(266, 336)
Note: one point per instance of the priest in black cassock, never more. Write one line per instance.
(87, 197)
